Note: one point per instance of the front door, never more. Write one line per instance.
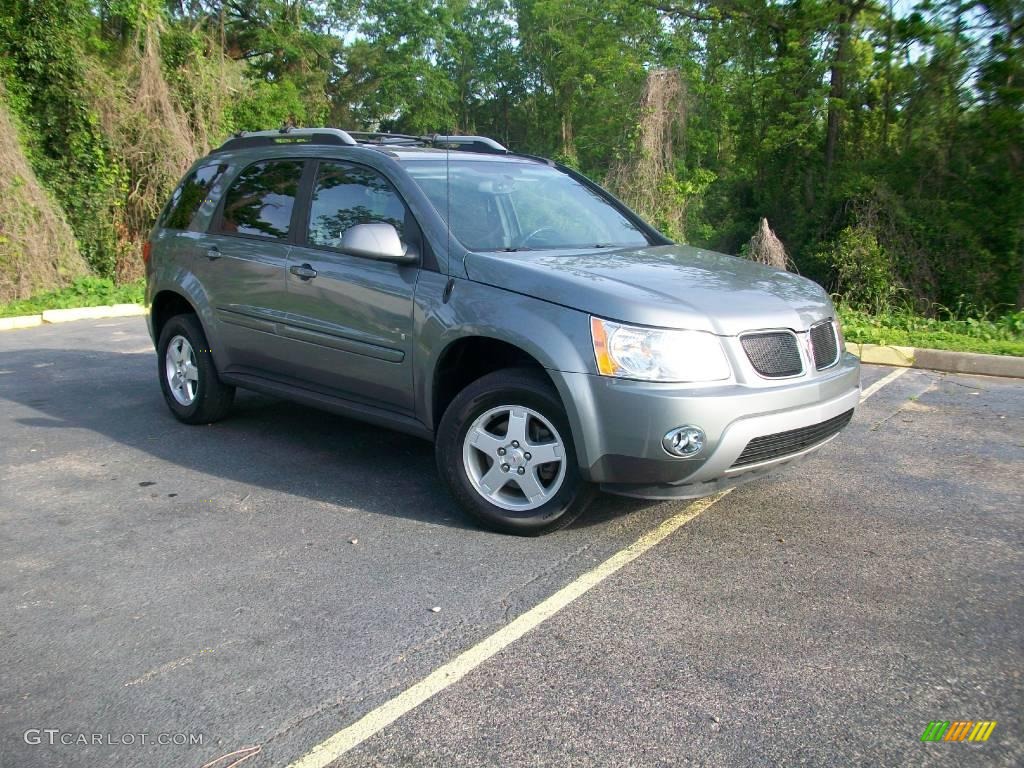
(242, 262)
(352, 315)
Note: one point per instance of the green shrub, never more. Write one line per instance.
(864, 272)
(999, 336)
(268, 105)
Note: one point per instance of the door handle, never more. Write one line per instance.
(306, 272)
(213, 252)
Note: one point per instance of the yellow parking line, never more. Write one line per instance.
(329, 750)
(882, 383)
(337, 745)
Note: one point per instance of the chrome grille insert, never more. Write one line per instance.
(774, 354)
(825, 345)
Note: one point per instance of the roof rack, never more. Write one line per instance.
(338, 137)
(287, 135)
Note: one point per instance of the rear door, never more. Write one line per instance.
(243, 261)
(353, 315)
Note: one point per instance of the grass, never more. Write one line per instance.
(84, 292)
(994, 336)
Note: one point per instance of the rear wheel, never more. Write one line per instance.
(192, 389)
(505, 450)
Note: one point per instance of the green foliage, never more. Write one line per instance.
(865, 276)
(266, 104)
(289, 50)
(46, 75)
(399, 80)
(1002, 335)
(586, 60)
(882, 141)
(83, 292)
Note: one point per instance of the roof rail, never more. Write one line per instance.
(468, 144)
(462, 143)
(538, 158)
(392, 139)
(287, 135)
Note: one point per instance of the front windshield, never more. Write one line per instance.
(512, 206)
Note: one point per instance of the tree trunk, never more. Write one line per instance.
(508, 126)
(837, 90)
(568, 143)
(837, 82)
(887, 96)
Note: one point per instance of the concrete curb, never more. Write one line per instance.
(67, 315)
(23, 321)
(92, 313)
(879, 355)
(939, 360)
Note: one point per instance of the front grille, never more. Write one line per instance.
(824, 344)
(793, 441)
(774, 354)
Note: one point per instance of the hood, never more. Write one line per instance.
(668, 286)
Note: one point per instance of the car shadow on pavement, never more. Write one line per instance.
(264, 442)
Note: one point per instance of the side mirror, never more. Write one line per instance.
(378, 240)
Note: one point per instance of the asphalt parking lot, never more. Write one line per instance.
(268, 581)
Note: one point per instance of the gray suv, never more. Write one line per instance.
(546, 338)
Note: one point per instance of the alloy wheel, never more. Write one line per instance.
(181, 370)
(514, 458)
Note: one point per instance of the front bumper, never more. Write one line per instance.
(618, 426)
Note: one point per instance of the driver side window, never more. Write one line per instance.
(550, 212)
(345, 195)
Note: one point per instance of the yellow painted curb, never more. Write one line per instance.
(22, 321)
(876, 354)
(67, 315)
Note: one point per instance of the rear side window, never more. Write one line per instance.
(261, 199)
(190, 195)
(346, 195)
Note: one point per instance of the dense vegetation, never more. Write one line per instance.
(881, 139)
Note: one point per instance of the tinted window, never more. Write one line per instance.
(189, 195)
(346, 195)
(261, 199)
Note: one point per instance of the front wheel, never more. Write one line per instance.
(505, 450)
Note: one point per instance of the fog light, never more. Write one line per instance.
(684, 441)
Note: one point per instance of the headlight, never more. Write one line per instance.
(654, 354)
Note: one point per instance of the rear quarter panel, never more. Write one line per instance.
(172, 259)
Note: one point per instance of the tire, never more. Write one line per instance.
(199, 400)
(496, 408)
